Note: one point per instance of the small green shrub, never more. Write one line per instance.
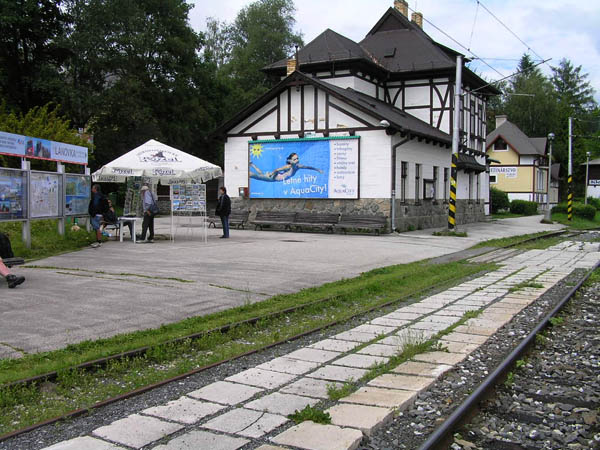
(595, 202)
(585, 211)
(561, 208)
(523, 207)
(499, 200)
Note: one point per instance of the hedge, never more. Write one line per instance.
(523, 207)
(499, 200)
(579, 210)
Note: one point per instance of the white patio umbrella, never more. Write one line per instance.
(161, 163)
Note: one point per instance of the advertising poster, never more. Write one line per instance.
(12, 144)
(45, 194)
(31, 147)
(12, 195)
(188, 198)
(77, 195)
(304, 168)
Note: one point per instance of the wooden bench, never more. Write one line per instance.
(361, 222)
(316, 220)
(9, 262)
(270, 218)
(237, 219)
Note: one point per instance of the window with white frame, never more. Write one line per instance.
(446, 183)
(435, 181)
(417, 182)
(470, 186)
(403, 177)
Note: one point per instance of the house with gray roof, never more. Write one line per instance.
(521, 164)
(363, 128)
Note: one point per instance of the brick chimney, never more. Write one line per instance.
(402, 6)
(500, 120)
(291, 66)
(417, 18)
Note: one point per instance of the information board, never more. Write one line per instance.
(13, 194)
(45, 194)
(188, 198)
(38, 148)
(304, 168)
(77, 199)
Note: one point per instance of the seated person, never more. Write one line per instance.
(110, 218)
(12, 280)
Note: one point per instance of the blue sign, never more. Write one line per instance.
(299, 168)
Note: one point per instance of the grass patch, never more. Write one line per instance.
(578, 223)
(335, 393)
(524, 285)
(450, 233)
(45, 239)
(310, 413)
(504, 242)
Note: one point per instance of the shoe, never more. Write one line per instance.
(150, 241)
(223, 237)
(96, 244)
(13, 281)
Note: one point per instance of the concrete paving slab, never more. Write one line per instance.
(337, 373)
(465, 338)
(289, 366)
(310, 387)
(403, 315)
(184, 410)
(475, 330)
(225, 393)
(314, 355)
(388, 322)
(450, 313)
(386, 398)
(137, 431)
(198, 439)
(476, 322)
(438, 318)
(334, 345)
(313, 436)
(245, 422)
(399, 381)
(416, 310)
(422, 369)
(261, 378)
(378, 330)
(282, 404)
(487, 315)
(271, 447)
(428, 325)
(380, 350)
(440, 357)
(360, 361)
(458, 347)
(365, 418)
(355, 336)
(88, 443)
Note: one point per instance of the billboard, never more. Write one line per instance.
(77, 191)
(37, 148)
(45, 194)
(13, 199)
(304, 168)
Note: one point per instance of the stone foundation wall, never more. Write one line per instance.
(425, 215)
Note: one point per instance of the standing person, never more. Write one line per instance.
(150, 210)
(223, 210)
(97, 208)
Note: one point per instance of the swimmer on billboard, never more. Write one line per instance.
(283, 172)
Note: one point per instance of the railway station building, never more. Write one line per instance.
(363, 128)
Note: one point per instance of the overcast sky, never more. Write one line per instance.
(550, 28)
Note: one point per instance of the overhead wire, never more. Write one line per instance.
(473, 27)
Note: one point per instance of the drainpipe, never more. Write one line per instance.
(394, 147)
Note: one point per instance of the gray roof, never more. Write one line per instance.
(593, 162)
(518, 140)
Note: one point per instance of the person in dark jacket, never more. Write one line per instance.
(223, 210)
(97, 208)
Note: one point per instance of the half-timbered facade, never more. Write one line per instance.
(393, 93)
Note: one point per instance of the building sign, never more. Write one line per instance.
(37, 148)
(509, 172)
(304, 168)
(594, 182)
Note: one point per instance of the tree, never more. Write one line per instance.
(30, 53)
(218, 42)
(574, 93)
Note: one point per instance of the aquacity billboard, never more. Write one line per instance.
(304, 168)
(37, 148)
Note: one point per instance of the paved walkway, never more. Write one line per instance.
(228, 414)
(122, 287)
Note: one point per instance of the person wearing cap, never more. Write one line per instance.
(150, 209)
(97, 208)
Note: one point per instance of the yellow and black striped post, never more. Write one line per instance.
(570, 198)
(452, 204)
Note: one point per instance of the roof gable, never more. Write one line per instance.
(518, 140)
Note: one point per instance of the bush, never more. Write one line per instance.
(585, 211)
(595, 202)
(499, 200)
(561, 208)
(523, 207)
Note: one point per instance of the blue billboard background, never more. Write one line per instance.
(289, 169)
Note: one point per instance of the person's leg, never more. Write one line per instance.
(145, 223)
(95, 221)
(222, 225)
(12, 280)
(151, 227)
(226, 226)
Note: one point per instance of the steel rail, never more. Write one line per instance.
(443, 436)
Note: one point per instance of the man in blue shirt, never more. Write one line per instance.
(150, 209)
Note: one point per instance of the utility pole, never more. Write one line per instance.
(570, 176)
(587, 172)
(455, 143)
(550, 139)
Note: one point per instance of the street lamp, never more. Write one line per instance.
(550, 139)
(587, 171)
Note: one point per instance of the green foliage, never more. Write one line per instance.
(499, 200)
(557, 321)
(523, 207)
(310, 413)
(587, 212)
(335, 393)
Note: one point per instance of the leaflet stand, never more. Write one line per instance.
(188, 201)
